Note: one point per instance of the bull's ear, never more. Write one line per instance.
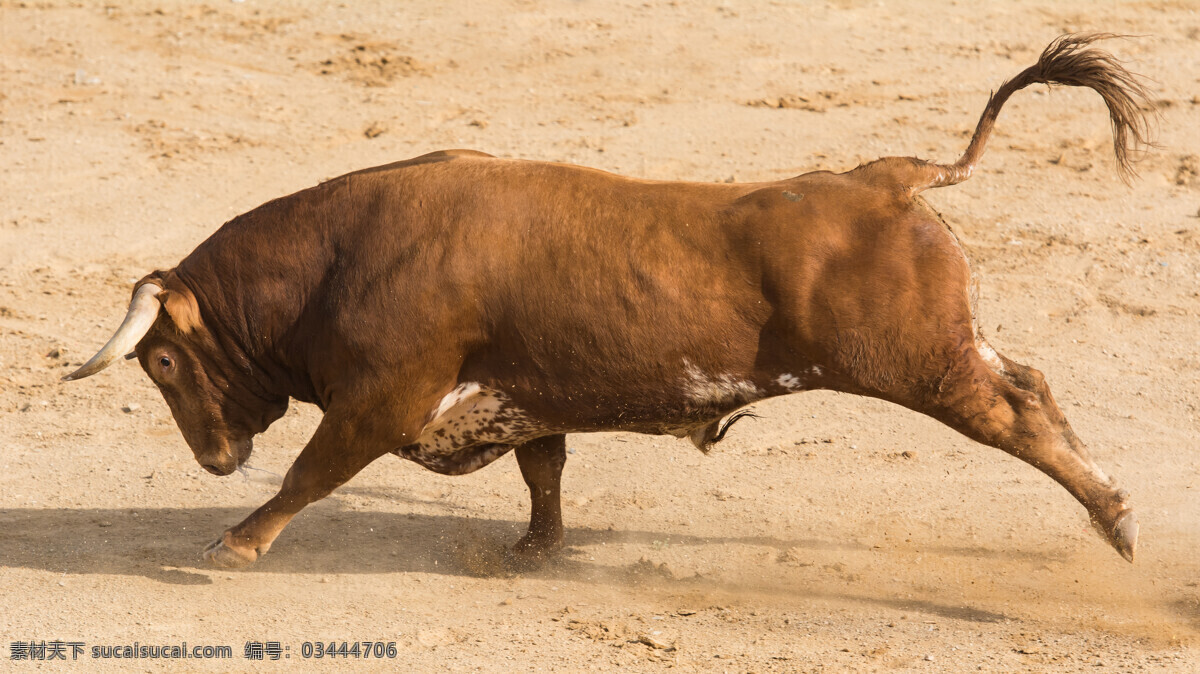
(180, 305)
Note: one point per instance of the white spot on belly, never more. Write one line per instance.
(471, 427)
(460, 394)
(790, 382)
(803, 382)
(721, 391)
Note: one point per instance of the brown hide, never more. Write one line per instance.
(581, 292)
(456, 306)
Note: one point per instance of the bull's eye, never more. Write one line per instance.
(164, 362)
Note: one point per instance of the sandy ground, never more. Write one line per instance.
(836, 533)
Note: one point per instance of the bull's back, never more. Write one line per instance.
(580, 286)
(591, 290)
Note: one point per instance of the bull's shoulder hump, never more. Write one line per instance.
(428, 158)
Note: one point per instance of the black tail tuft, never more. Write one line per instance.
(738, 416)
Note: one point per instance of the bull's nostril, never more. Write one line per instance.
(212, 469)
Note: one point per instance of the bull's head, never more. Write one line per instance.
(217, 405)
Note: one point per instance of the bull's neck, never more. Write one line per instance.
(253, 280)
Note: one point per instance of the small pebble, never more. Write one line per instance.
(653, 642)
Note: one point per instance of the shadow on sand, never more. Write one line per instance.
(163, 544)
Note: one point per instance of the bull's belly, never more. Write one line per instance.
(474, 425)
(471, 427)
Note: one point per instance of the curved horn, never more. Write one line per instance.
(143, 309)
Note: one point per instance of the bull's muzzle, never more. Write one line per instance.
(227, 459)
(223, 469)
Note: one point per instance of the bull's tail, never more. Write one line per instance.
(1068, 61)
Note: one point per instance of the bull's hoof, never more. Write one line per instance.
(1124, 535)
(224, 553)
(532, 552)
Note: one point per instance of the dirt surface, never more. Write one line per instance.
(835, 533)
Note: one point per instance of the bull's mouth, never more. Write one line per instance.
(218, 470)
(226, 463)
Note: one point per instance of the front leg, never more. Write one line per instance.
(337, 452)
(541, 463)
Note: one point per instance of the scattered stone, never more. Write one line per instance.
(131, 408)
(375, 130)
(655, 642)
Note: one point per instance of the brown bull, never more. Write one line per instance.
(452, 307)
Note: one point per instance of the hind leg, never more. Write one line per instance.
(541, 463)
(1007, 405)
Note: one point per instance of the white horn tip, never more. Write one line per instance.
(143, 310)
